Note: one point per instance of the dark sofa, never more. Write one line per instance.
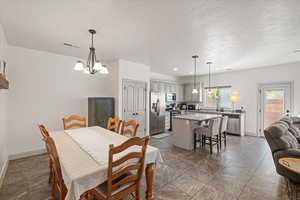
(283, 138)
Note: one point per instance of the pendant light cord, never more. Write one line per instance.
(195, 73)
(209, 77)
(92, 40)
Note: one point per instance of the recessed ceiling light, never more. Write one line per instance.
(175, 69)
(190, 72)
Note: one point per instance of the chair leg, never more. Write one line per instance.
(218, 148)
(220, 136)
(225, 135)
(195, 141)
(210, 144)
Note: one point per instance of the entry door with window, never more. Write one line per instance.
(275, 101)
(134, 103)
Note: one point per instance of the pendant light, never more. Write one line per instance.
(195, 91)
(92, 65)
(209, 79)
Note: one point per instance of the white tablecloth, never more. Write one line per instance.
(83, 154)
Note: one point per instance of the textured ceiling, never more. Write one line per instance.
(164, 34)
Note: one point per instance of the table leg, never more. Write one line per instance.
(149, 180)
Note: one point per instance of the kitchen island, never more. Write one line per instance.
(236, 120)
(183, 128)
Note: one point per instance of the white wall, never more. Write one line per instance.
(44, 89)
(3, 105)
(134, 71)
(246, 83)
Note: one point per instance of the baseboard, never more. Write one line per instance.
(3, 172)
(251, 134)
(26, 154)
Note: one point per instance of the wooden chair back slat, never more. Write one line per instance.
(80, 122)
(129, 179)
(135, 141)
(74, 125)
(127, 157)
(125, 170)
(129, 127)
(113, 124)
(135, 167)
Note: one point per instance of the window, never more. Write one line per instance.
(218, 97)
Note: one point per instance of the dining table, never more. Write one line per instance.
(83, 156)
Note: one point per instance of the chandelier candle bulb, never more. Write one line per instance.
(104, 70)
(98, 66)
(78, 66)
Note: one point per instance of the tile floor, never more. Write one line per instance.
(244, 171)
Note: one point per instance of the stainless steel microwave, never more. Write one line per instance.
(170, 97)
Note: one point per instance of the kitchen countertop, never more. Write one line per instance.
(215, 112)
(196, 117)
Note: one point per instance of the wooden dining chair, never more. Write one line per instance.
(124, 172)
(45, 135)
(130, 127)
(113, 124)
(58, 185)
(74, 121)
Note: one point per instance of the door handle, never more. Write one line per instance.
(136, 113)
(133, 113)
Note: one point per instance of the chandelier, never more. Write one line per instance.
(93, 65)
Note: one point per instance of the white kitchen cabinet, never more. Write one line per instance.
(162, 87)
(179, 92)
(188, 92)
(173, 88)
(154, 86)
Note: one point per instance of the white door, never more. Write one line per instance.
(140, 107)
(275, 101)
(134, 103)
(128, 101)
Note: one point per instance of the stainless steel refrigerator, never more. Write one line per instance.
(157, 112)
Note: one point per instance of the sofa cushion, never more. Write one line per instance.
(286, 124)
(292, 128)
(279, 138)
(286, 120)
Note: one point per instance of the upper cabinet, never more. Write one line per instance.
(179, 92)
(162, 86)
(154, 86)
(183, 91)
